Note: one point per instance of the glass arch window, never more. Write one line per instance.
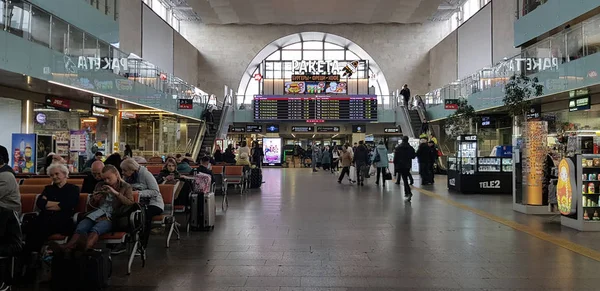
(276, 69)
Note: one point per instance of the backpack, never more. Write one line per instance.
(202, 183)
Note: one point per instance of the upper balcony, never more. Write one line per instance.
(538, 17)
(39, 44)
(566, 61)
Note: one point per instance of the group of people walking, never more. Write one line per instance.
(366, 160)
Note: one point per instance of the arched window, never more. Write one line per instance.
(278, 55)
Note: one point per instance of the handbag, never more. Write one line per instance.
(387, 175)
(352, 174)
(373, 170)
(377, 158)
(120, 217)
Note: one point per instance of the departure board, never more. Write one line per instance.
(315, 107)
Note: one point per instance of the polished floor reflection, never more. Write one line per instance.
(304, 231)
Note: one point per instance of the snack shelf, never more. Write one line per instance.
(584, 206)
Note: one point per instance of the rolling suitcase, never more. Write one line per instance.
(256, 178)
(210, 211)
(203, 211)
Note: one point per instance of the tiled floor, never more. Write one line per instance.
(304, 231)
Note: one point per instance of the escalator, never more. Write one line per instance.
(415, 122)
(211, 133)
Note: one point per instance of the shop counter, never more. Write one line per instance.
(483, 175)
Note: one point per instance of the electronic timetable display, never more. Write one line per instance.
(315, 107)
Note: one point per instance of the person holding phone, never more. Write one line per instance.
(169, 173)
(108, 197)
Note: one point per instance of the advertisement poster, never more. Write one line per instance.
(326, 87)
(566, 187)
(23, 156)
(78, 141)
(272, 150)
(294, 88)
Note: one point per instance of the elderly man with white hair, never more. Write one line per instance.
(144, 182)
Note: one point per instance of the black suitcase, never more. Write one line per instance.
(89, 270)
(256, 178)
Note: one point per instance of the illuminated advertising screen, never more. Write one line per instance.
(272, 150)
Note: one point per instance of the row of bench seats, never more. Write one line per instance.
(167, 219)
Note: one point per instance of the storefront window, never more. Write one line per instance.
(60, 32)
(592, 36)
(575, 43)
(530, 5)
(90, 48)
(557, 48)
(75, 41)
(40, 26)
(104, 49)
(18, 18)
(2, 13)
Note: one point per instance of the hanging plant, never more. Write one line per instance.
(459, 122)
(518, 94)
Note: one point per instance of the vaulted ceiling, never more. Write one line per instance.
(318, 11)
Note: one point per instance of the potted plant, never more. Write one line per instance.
(518, 94)
(459, 122)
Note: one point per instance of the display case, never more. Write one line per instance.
(507, 165)
(489, 165)
(578, 192)
(470, 174)
(451, 164)
(467, 154)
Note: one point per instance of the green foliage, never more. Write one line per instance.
(518, 93)
(460, 121)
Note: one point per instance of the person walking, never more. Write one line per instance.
(405, 92)
(424, 156)
(380, 161)
(361, 160)
(403, 156)
(257, 155)
(433, 154)
(346, 161)
(316, 157)
(326, 159)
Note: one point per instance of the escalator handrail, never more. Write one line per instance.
(407, 121)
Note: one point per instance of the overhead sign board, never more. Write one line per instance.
(315, 78)
(579, 103)
(334, 129)
(237, 129)
(186, 103)
(535, 112)
(57, 103)
(359, 128)
(100, 111)
(272, 128)
(391, 130)
(451, 104)
(303, 128)
(254, 128)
